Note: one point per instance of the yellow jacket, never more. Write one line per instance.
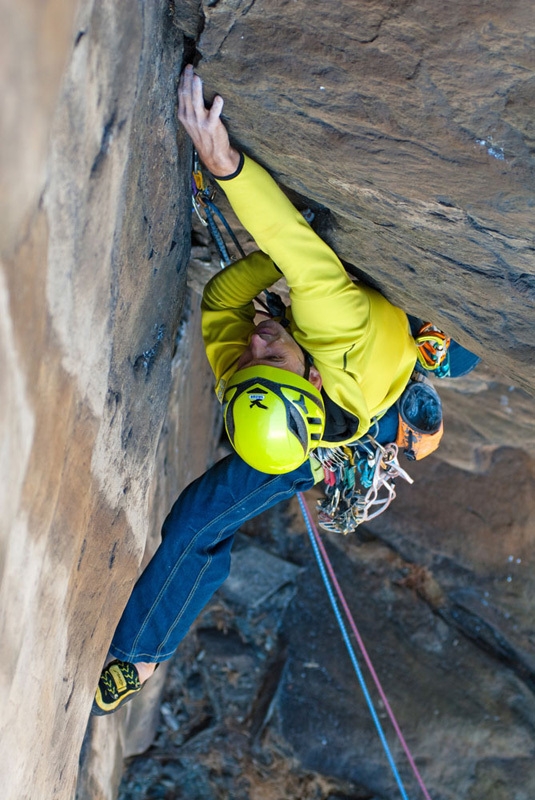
(360, 343)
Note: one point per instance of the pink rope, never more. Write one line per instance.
(364, 652)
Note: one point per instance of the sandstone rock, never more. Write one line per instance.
(35, 43)
(184, 449)
(412, 125)
(481, 414)
(92, 290)
(255, 576)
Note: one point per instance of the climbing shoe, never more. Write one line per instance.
(119, 683)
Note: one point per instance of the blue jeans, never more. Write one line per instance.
(193, 559)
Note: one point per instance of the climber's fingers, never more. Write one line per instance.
(186, 112)
(217, 108)
(197, 98)
(204, 126)
(192, 111)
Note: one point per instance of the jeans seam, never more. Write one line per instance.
(192, 592)
(214, 541)
(172, 574)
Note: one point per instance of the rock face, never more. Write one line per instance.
(410, 124)
(92, 294)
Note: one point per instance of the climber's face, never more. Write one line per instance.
(271, 345)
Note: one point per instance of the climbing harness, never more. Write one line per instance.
(359, 483)
(329, 579)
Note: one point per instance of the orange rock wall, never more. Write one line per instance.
(94, 446)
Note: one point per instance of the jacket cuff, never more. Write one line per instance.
(232, 175)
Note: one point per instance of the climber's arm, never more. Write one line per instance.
(320, 288)
(228, 311)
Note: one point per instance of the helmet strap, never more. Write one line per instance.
(309, 362)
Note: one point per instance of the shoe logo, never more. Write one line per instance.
(118, 677)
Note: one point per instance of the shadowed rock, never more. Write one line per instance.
(412, 124)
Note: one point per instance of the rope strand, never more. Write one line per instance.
(350, 649)
(319, 548)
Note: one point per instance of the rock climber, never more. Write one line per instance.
(318, 378)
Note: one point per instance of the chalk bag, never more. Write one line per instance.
(420, 425)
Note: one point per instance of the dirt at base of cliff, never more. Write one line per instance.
(262, 703)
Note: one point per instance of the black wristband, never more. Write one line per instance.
(232, 175)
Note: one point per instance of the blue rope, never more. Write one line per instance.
(351, 651)
(212, 206)
(217, 237)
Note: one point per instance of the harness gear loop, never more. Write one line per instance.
(360, 483)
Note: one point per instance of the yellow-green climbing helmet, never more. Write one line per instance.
(273, 417)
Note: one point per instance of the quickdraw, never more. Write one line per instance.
(359, 483)
(202, 197)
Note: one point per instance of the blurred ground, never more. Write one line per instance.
(262, 702)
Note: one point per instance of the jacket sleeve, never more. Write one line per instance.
(228, 311)
(330, 313)
(360, 342)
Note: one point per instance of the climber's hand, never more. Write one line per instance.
(208, 133)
